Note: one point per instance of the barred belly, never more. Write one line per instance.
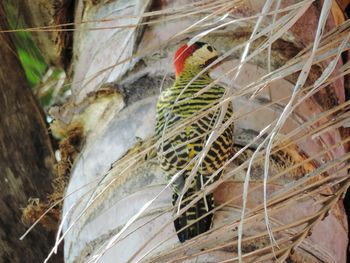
(186, 142)
(183, 138)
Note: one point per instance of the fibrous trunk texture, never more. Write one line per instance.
(26, 157)
(119, 66)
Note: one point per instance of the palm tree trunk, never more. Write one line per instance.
(26, 157)
(113, 103)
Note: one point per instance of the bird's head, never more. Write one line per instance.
(194, 57)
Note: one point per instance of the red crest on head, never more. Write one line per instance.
(181, 55)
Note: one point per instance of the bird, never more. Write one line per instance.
(176, 106)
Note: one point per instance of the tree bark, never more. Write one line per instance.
(26, 158)
(114, 121)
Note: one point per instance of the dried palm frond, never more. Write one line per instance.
(286, 176)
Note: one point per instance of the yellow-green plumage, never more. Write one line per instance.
(177, 105)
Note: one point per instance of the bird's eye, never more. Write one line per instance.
(210, 48)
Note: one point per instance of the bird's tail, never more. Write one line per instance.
(192, 214)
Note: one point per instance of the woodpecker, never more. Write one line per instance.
(178, 104)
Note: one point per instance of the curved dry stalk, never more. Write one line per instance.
(219, 207)
(121, 162)
(223, 109)
(283, 172)
(162, 44)
(318, 185)
(200, 5)
(274, 33)
(286, 112)
(265, 233)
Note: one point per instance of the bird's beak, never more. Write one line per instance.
(218, 64)
(226, 59)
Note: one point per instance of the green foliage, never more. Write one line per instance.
(33, 67)
(33, 62)
(42, 78)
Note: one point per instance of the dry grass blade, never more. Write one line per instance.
(281, 236)
(286, 112)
